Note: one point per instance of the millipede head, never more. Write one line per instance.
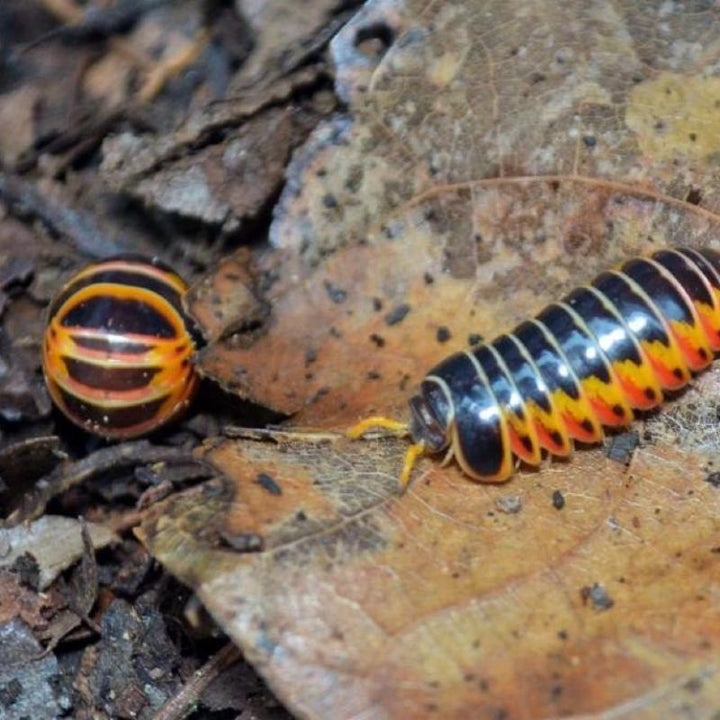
(430, 417)
(118, 347)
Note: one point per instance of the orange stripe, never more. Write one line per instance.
(142, 268)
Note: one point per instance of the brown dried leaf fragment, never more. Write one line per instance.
(437, 598)
(55, 543)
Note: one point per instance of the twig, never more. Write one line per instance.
(80, 229)
(184, 702)
(68, 475)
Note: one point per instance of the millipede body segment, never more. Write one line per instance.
(585, 362)
(117, 351)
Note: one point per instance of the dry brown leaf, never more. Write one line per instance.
(55, 543)
(225, 297)
(364, 604)
(497, 155)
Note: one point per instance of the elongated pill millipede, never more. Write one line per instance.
(585, 362)
(118, 347)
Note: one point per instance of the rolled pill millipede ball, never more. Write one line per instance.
(118, 347)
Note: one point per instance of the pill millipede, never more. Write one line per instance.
(118, 347)
(586, 362)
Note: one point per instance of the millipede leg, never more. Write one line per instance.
(411, 456)
(395, 427)
(448, 457)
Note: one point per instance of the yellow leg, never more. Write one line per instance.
(395, 427)
(411, 456)
(448, 457)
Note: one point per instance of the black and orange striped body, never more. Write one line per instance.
(117, 352)
(587, 361)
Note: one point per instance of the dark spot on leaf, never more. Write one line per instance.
(597, 596)
(321, 393)
(443, 334)
(694, 196)
(337, 294)
(379, 340)
(377, 304)
(620, 448)
(374, 375)
(693, 684)
(713, 479)
(330, 201)
(428, 278)
(558, 500)
(397, 314)
(590, 141)
(354, 178)
(268, 483)
(475, 339)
